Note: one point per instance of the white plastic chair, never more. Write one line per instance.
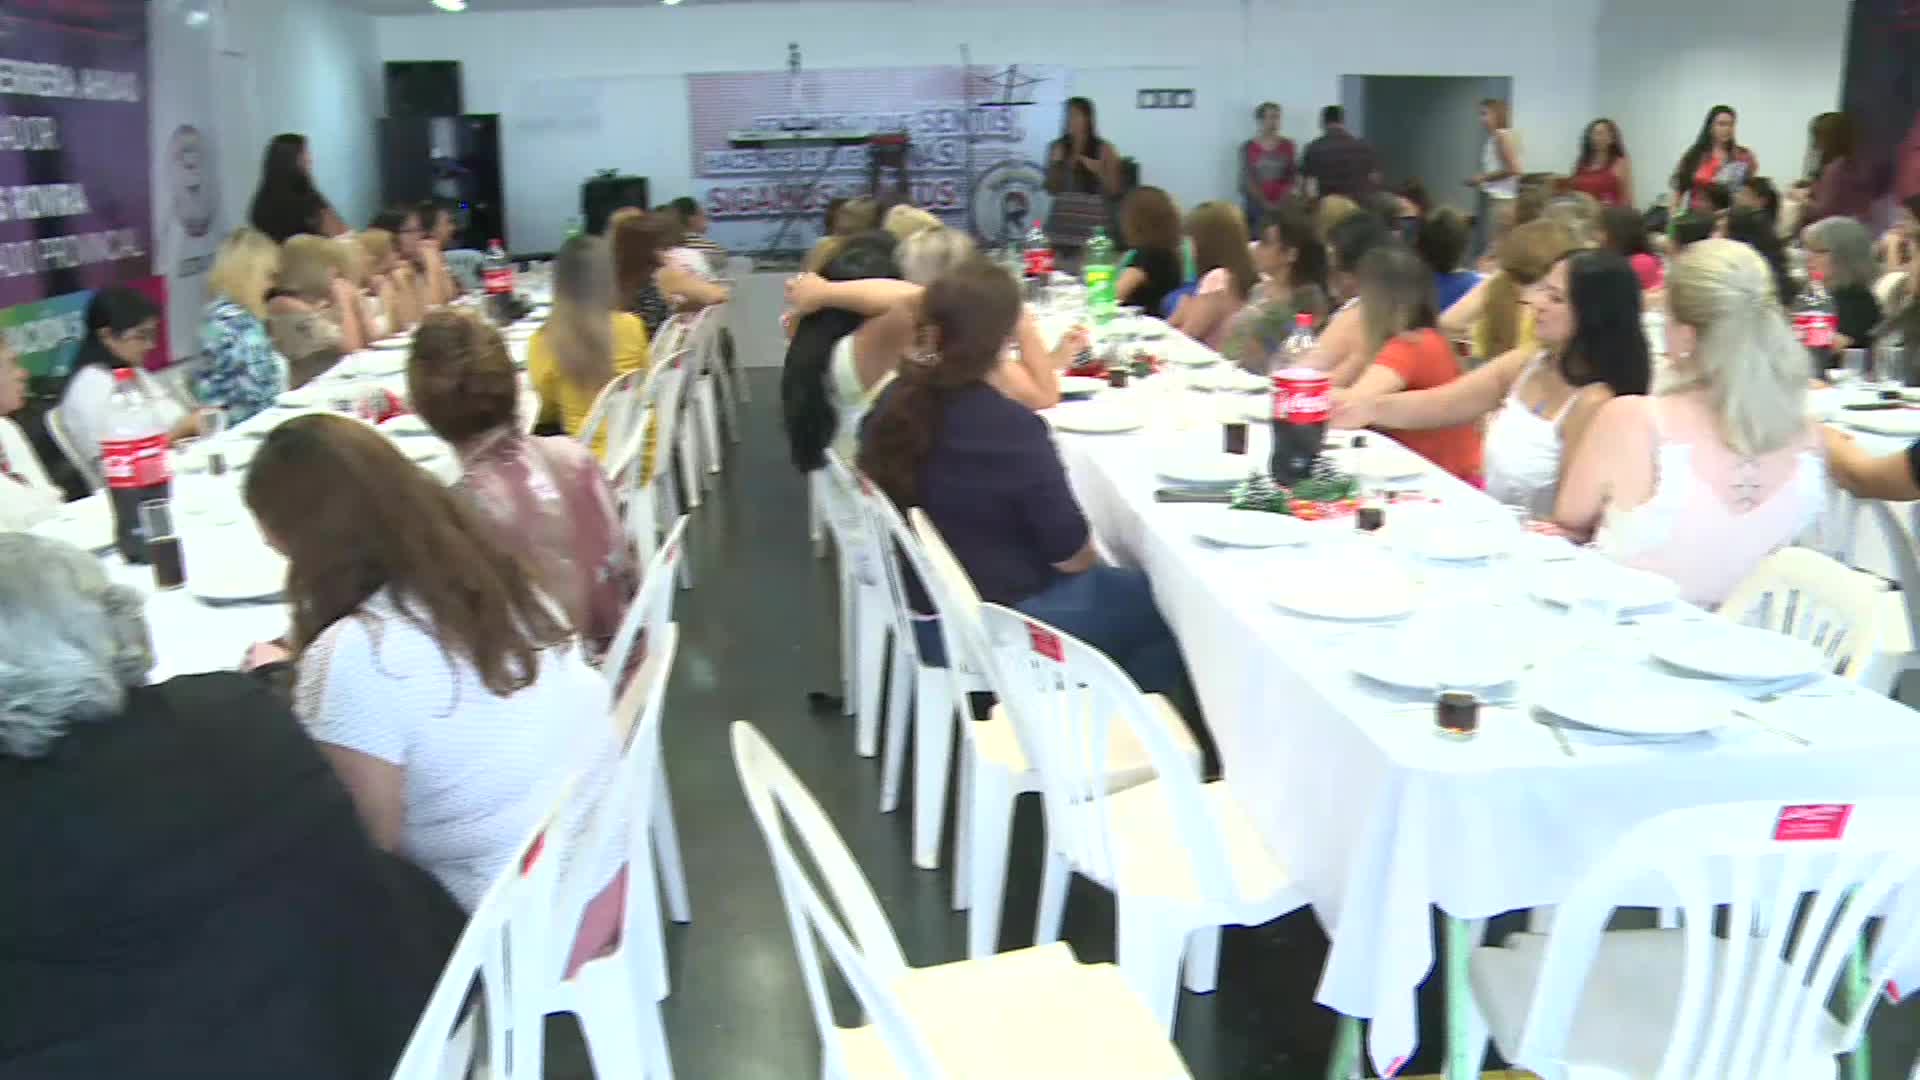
(1899, 614)
(647, 496)
(1812, 598)
(441, 1046)
(616, 408)
(1033, 1013)
(865, 607)
(994, 768)
(1182, 858)
(1685, 1003)
(939, 693)
(84, 464)
(647, 619)
(616, 993)
(703, 408)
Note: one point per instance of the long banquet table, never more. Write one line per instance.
(1380, 820)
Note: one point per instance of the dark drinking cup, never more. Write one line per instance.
(1117, 376)
(1236, 436)
(1369, 517)
(1457, 714)
(163, 544)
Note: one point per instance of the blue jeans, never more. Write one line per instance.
(1112, 609)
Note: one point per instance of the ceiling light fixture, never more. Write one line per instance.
(670, 3)
(450, 5)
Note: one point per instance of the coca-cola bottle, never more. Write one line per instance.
(133, 457)
(1302, 398)
(1039, 261)
(1815, 322)
(497, 276)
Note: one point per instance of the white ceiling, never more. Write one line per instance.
(422, 7)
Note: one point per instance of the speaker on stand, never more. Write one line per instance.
(606, 192)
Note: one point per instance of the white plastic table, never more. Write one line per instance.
(1378, 819)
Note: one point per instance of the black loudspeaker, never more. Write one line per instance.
(455, 159)
(602, 195)
(423, 88)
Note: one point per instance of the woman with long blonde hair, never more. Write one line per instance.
(1223, 261)
(1494, 312)
(586, 341)
(1720, 466)
(243, 373)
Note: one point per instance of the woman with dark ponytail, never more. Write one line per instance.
(983, 468)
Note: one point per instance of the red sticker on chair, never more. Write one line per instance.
(533, 853)
(1046, 643)
(1814, 821)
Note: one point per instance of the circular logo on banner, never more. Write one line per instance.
(192, 183)
(1007, 200)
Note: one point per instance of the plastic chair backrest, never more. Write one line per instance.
(901, 556)
(1755, 1014)
(848, 921)
(87, 468)
(499, 937)
(955, 601)
(667, 338)
(1812, 598)
(846, 516)
(1065, 698)
(1900, 542)
(652, 607)
(666, 386)
(614, 408)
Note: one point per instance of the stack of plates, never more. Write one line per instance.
(86, 524)
(231, 564)
(1190, 468)
(1224, 526)
(1080, 386)
(1432, 654)
(1565, 584)
(1433, 532)
(1903, 422)
(1749, 656)
(1341, 589)
(1093, 418)
(1629, 703)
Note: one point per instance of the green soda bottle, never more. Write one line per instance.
(1098, 274)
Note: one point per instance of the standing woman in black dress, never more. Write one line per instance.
(287, 203)
(1083, 175)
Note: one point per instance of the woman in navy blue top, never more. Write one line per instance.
(984, 469)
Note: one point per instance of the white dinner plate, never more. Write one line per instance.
(1382, 463)
(1228, 527)
(1435, 657)
(379, 364)
(1093, 418)
(1341, 589)
(1080, 386)
(1632, 701)
(396, 342)
(232, 565)
(1728, 650)
(1191, 467)
(406, 424)
(1433, 532)
(1566, 583)
(238, 453)
(86, 524)
(1902, 422)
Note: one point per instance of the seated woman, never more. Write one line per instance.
(202, 900)
(1721, 468)
(1442, 244)
(866, 357)
(122, 328)
(1625, 233)
(242, 373)
(1396, 302)
(313, 315)
(1494, 313)
(845, 218)
(1841, 252)
(1225, 267)
(648, 285)
(1152, 267)
(1292, 263)
(27, 495)
(1587, 320)
(442, 685)
(985, 470)
(548, 495)
(586, 340)
(1343, 351)
(392, 280)
(839, 355)
(416, 242)
(1749, 227)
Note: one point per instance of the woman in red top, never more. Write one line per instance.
(1396, 302)
(1603, 169)
(1266, 166)
(1714, 158)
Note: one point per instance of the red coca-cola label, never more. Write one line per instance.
(1046, 643)
(1039, 262)
(1812, 821)
(1815, 329)
(1301, 396)
(135, 463)
(498, 280)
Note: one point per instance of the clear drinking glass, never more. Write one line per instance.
(1886, 363)
(163, 544)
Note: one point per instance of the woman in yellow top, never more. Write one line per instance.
(1495, 312)
(585, 342)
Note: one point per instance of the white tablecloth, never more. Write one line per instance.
(1378, 818)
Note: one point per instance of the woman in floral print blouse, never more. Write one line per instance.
(243, 372)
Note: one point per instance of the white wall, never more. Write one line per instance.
(1666, 62)
(297, 65)
(627, 66)
(1429, 128)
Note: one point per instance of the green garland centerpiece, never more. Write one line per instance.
(1326, 492)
